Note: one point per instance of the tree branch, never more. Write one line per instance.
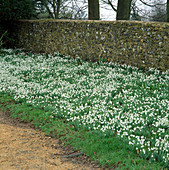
(145, 3)
(110, 3)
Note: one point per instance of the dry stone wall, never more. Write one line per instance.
(142, 44)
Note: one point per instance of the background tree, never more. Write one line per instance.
(156, 10)
(134, 15)
(142, 9)
(93, 10)
(52, 7)
(121, 7)
(167, 10)
(15, 9)
(62, 9)
(159, 14)
(123, 10)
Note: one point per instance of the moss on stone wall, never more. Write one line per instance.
(142, 44)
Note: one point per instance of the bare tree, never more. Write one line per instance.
(167, 10)
(93, 10)
(110, 3)
(159, 13)
(123, 10)
(140, 9)
(157, 10)
(58, 9)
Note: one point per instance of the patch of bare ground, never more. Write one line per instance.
(22, 147)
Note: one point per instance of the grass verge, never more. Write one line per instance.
(110, 152)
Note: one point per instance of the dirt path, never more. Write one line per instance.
(24, 148)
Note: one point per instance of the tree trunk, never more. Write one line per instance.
(123, 10)
(93, 10)
(54, 8)
(58, 8)
(167, 10)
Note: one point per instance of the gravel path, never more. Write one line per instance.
(24, 148)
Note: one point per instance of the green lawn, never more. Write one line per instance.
(116, 114)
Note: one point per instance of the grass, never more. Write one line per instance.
(116, 114)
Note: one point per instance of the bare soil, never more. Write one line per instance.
(25, 148)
